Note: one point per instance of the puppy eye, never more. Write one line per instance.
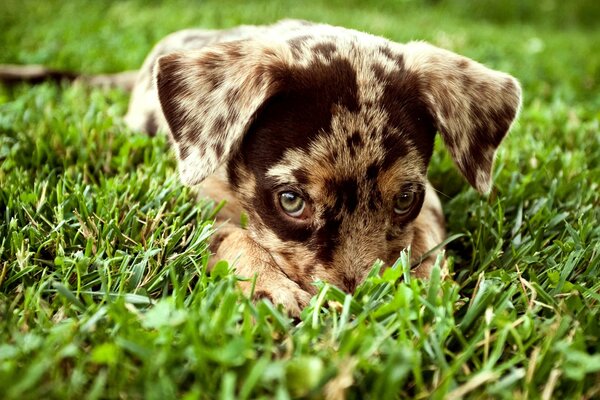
(292, 204)
(404, 202)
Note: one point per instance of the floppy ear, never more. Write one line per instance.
(209, 98)
(473, 106)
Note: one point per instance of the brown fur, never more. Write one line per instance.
(344, 119)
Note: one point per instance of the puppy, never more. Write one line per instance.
(322, 136)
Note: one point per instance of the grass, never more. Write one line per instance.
(102, 251)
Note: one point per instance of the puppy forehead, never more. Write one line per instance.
(364, 171)
(354, 151)
(343, 101)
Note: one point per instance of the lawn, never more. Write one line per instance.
(103, 292)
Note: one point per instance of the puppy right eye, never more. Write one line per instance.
(292, 204)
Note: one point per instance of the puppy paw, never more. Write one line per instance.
(282, 292)
(251, 260)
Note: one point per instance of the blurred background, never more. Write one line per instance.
(550, 45)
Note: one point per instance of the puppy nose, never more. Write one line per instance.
(350, 283)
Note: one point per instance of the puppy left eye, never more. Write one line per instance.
(404, 202)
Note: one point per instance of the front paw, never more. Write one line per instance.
(250, 261)
(280, 291)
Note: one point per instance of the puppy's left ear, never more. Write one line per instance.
(473, 106)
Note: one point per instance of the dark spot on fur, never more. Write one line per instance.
(326, 239)
(184, 151)
(215, 80)
(385, 50)
(296, 45)
(375, 196)
(219, 125)
(232, 97)
(353, 142)
(397, 146)
(301, 176)
(390, 55)
(347, 190)
(467, 81)
(373, 171)
(170, 91)
(379, 72)
(192, 132)
(233, 173)
(346, 194)
(151, 126)
(462, 64)
(232, 50)
(298, 41)
(325, 49)
(219, 150)
(446, 106)
(508, 88)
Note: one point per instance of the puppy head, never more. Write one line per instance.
(326, 138)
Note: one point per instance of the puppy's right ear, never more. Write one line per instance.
(209, 98)
(473, 106)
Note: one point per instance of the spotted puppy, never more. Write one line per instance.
(322, 136)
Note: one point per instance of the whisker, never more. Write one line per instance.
(441, 193)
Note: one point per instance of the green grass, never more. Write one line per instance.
(102, 251)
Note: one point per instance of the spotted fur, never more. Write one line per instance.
(343, 118)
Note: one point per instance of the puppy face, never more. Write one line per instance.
(326, 174)
(326, 138)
